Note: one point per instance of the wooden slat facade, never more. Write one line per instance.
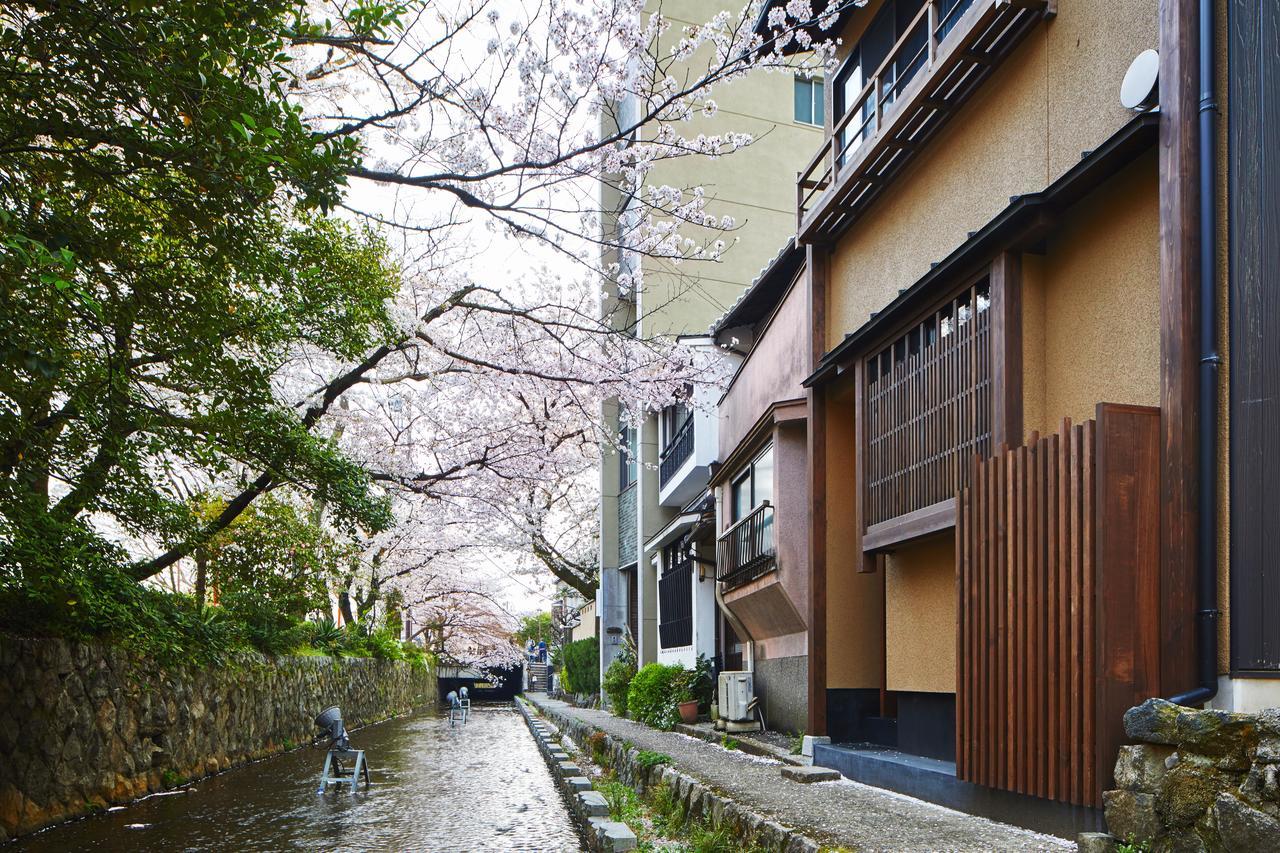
(1057, 613)
(928, 407)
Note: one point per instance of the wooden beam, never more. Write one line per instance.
(817, 260)
(914, 525)
(1006, 350)
(1179, 270)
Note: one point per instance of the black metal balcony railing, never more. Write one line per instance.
(745, 551)
(678, 450)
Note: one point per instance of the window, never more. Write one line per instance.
(928, 407)
(675, 595)
(626, 457)
(896, 20)
(808, 102)
(753, 486)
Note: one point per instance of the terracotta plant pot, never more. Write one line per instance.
(689, 711)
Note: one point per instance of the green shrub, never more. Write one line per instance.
(617, 683)
(582, 666)
(647, 758)
(653, 695)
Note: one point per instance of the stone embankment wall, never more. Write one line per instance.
(1198, 780)
(83, 726)
(752, 830)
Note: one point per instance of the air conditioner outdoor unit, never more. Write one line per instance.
(736, 691)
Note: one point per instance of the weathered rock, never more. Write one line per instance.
(1209, 732)
(1189, 789)
(1244, 828)
(1142, 767)
(1131, 814)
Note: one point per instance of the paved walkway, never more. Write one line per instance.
(843, 813)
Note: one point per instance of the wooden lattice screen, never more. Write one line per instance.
(1058, 602)
(929, 407)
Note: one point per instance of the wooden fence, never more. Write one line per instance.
(1057, 550)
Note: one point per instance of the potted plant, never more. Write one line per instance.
(686, 696)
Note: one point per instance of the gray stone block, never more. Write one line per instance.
(593, 803)
(1095, 842)
(1142, 767)
(1242, 827)
(578, 783)
(568, 768)
(1131, 815)
(807, 775)
(616, 836)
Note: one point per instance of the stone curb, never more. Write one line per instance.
(745, 744)
(699, 800)
(588, 807)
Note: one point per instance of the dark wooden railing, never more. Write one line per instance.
(679, 448)
(675, 605)
(745, 551)
(1057, 553)
(905, 101)
(929, 408)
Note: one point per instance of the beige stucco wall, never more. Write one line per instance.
(855, 613)
(1091, 305)
(920, 617)
(755, 186)
(772, 372)
(1053, 98)
(587, 627)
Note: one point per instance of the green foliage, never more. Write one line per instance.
(1134, 845)
(648, 759)
(653, 695)
(170, 778)
(582, 666)
(537, 627)
(624, 803)
(729, 742)
(797, 742)
(617, 682)
(163, 252)
(597, 743)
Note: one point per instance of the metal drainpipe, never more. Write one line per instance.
(1207, 545)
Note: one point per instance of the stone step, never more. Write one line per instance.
(808, 775)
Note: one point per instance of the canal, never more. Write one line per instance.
(482, 786)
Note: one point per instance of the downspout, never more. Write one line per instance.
(1207, 612)
(738, 627)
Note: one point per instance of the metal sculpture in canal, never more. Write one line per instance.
(330, 722)
(459, 706)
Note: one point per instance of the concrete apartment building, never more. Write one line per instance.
(657, 546)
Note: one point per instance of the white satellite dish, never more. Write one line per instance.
(1141, 87)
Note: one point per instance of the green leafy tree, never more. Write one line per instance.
(163, 252)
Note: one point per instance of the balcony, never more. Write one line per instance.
(745, 551)
(922, 83)
(676, 453)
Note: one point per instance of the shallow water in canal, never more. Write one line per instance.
(482, 786)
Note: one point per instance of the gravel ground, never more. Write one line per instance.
(842, 813)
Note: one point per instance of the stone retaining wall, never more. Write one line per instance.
(83, 726)
(699, 800)
(1198, 780)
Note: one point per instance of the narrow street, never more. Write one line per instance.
(845, 814)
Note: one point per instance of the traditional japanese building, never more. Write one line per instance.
(1033, 498)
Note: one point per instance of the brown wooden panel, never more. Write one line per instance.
(1058, 593)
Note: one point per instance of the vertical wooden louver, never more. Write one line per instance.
(929, 407)
(1058, 588)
